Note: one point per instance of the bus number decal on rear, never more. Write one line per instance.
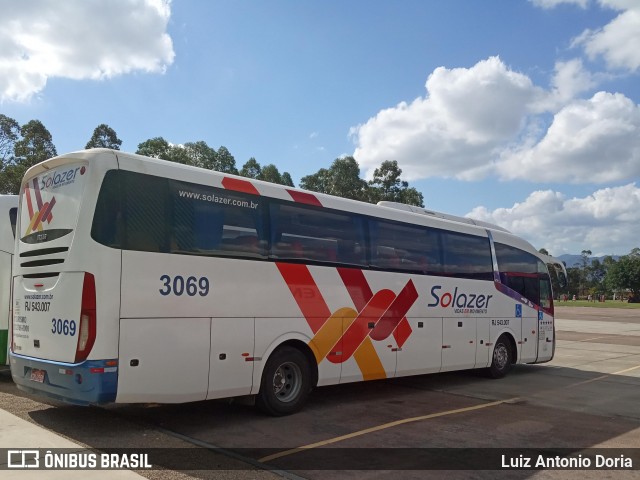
(36, 306)
(63, 327)
(178, 286)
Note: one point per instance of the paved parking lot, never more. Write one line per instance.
(587, 397)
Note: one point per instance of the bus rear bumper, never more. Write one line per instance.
(91, 382)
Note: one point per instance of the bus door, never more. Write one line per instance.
(458, 343)
(546, 333)
(529, 350)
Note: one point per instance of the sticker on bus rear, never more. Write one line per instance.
(50, 203)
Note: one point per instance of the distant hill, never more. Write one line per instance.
(576, 260)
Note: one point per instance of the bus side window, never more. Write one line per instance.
(13, 217)
(545, 293)
(108, 223)
(217, 222)
(467, 256)
(146, 214)
(410, 248)
(301, 232)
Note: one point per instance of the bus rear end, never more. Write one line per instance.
(57, 285)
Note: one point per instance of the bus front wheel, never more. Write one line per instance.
(502, 359)
(285, 383)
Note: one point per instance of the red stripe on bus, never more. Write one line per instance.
(47, 211)
(357, 286)
(359, 329)
(397, 311)
(306, 294)
(402, 332)
(304, 197)
(243, 186)
(40, 217)
(27, 193)
(36, 189)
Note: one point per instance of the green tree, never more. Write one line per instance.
(198, 154)
(287, 180)
(201, 155)
(584, 258)
(225, 162)
(178, 154)
(9, 133)
(104, 137)
(317, 182)
(271, 174)
(387, 185)
(411, 196)
(584, 271)
(574, 276)
(251, 169)
(156, 147)
(543, 251)
(34, 146)
(341, 179)
(268, 173)
(624, 275)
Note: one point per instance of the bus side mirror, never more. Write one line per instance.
(562, 280)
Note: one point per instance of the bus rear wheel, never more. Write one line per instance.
(285, 383)
(502, 359)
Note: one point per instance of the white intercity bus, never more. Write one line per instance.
(141, 280)
(8, 215)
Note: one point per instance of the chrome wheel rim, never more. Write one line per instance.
(500, 356)
(287, 382)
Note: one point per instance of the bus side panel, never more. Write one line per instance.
(458, 343)
(5, 307)
(164, 359)
(546, 337)
(529, 339)
(372, 359)
(483, 347)
(232, 364)
(422, 352)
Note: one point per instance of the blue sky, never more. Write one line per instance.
(522, 113)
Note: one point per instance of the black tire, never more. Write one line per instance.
(502, 359)
(285, 383)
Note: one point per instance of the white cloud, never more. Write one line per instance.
(570, 80)
(486, 121)
(617, 42)
(607, 221)
(466, 115)
(589, 141)
(546, 4)
(77, 39)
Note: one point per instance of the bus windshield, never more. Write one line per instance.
(51, 200)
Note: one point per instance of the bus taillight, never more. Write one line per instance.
(87, 333)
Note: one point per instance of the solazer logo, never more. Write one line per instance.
(461, 302)
(58, 179)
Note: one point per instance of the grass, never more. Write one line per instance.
(606, 304)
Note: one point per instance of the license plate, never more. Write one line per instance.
(37, 375)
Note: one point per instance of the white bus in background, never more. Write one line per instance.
(8, 214)
(141, 280)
